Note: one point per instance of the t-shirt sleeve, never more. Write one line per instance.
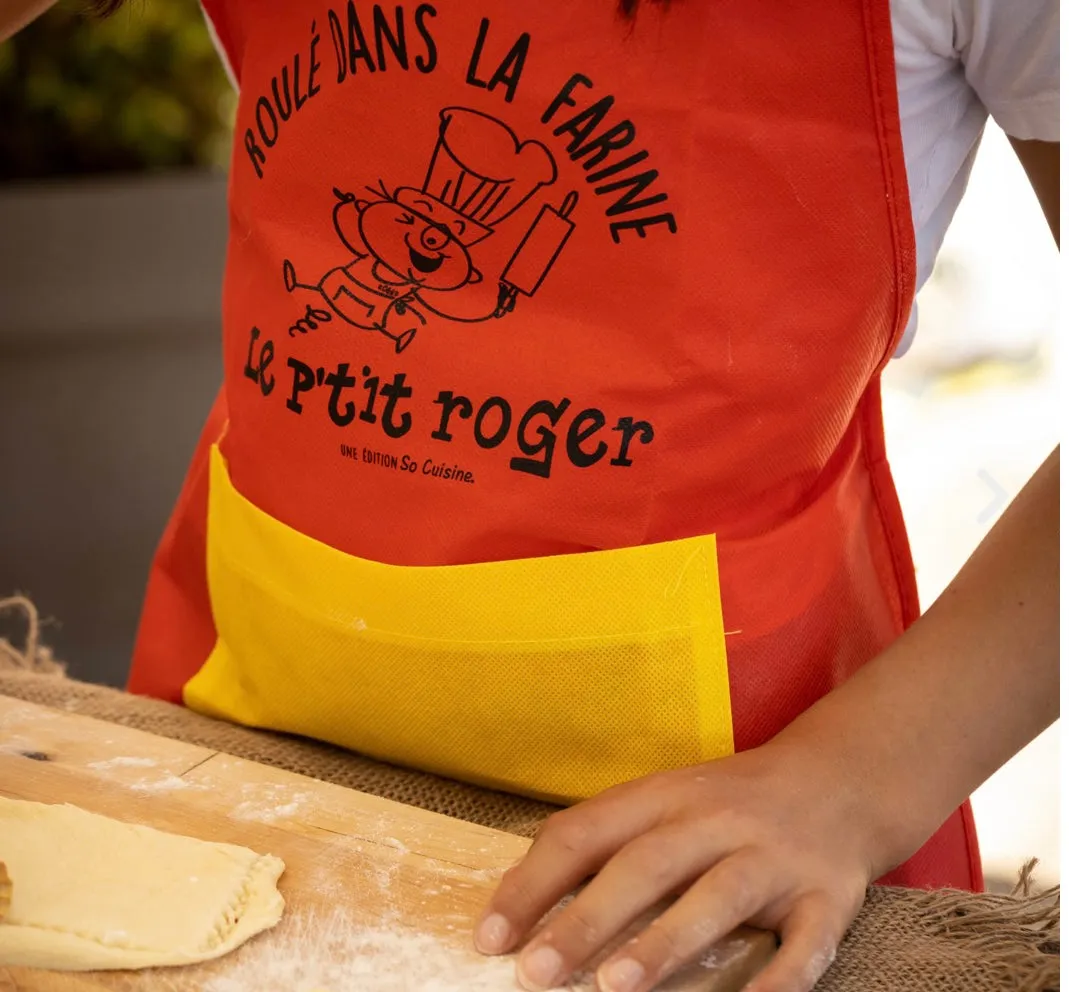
(1010, 51)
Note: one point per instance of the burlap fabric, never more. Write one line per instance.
(902, 941)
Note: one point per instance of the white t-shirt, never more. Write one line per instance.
(958, 62)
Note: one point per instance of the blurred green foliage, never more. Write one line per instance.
(142, 89)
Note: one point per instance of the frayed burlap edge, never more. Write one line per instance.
(33, 656)
(950, 941)
(1018, 937)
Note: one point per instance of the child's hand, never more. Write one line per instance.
(787, 836)
(771, 837)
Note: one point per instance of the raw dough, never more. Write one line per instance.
(91, 892)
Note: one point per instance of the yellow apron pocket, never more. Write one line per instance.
(555, 677)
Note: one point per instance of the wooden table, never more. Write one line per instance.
(379, 896)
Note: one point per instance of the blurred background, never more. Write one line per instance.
(113, 148)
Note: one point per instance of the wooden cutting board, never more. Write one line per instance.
(378, 895)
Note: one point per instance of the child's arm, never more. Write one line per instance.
(1042, 163)
(972, 682)
(16, 14)
(788, 835)
(976, 678)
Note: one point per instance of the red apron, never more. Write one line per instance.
(549, 452)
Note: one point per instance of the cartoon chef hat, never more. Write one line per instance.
(482, 171)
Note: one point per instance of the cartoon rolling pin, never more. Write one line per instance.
(536, 253)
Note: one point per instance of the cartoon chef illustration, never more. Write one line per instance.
(411, 246)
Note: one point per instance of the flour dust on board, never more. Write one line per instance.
(340, 954)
